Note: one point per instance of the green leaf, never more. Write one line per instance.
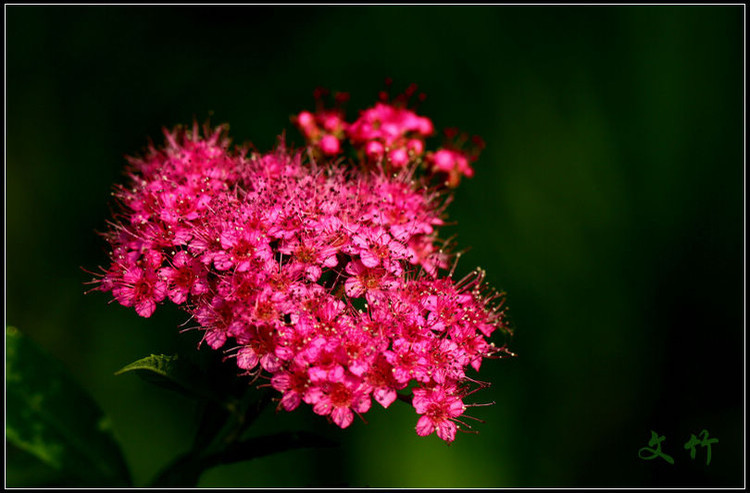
(187, 470)
(270, 444)
(24, 470)
(173, 373)
(51, 417)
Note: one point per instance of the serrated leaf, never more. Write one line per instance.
(170, 372)
(49, 415)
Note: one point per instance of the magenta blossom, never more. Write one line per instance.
(322, 276)
(439, 408)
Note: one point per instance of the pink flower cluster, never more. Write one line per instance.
(323, 276)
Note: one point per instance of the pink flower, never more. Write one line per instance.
(447, 160)
(185, 277)
(379, 376)
(376, 247)
(310, 255)
(324, 129)
(408, 361)
(371, 282)
(219, 318)
(374, 150)
(340, 399)
(452, 163)
(241, 249)
(293, 384)
(387, 124)
(330, 145)
(439, 408)
(391, 130)
(398, 157)
(320, 274)
(261, 348)
(140, 288)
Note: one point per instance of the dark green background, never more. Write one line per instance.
(608, 204)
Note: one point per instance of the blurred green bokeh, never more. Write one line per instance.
(608, 204)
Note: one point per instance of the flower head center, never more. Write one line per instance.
(305, 254)
(340, 395)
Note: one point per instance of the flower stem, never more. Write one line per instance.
(214, 440)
